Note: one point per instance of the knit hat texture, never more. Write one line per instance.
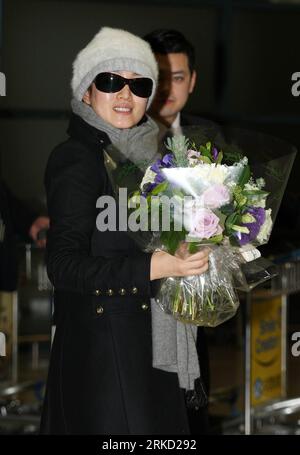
(113, 49)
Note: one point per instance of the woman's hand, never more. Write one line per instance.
(182, 251)
(164, 265)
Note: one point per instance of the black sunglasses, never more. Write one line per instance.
(112, 83)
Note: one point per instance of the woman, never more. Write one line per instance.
(101, 379)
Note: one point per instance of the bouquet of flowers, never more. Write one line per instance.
(208, 195)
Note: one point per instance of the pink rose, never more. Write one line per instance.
(202, 223)
(216, 196)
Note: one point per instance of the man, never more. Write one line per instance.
(177, 78)
(15, 220)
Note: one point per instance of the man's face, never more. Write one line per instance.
(175, 85)
(122, 109)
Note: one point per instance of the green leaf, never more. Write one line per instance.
(250, 193)
(160, 188)
(193, 247)
(245, 176)
(238, 228)
(171, 239)
(205, 159)
(208, 146)
(204, 151)
(220, 157)
(231, 220)
(248, 218)
(216, 239)
(227, 209)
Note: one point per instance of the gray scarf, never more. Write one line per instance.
(173, 343)
(137, 144)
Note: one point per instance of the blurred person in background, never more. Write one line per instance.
(175, 56)
(17, 221)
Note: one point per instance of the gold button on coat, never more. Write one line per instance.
(110, 292)
(122, 291)
(97, 292)
(99, 309)
(145, 306)
(134, 290)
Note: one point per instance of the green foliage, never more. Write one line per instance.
(179, 145)
(227, 209)
(216, 239)
(220, 157)
(230, 221)
(193, 247)
(239, 197)
(171, 239)
(205, 159)
(254, 193)
(160, 188)
(232, 154)
(204, 151)
(245, 176)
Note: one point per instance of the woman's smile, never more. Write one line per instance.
(124, 109)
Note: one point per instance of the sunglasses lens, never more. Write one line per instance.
(109, 82)
(141, 87)
(112, 83)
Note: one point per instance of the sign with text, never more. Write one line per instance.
(266, 350)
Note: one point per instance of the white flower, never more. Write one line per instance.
(260, 183)
(212, 173)
(266, 228)
(256, 200)
(149, 177)
(250, 186)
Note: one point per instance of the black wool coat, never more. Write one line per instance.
(101, 379)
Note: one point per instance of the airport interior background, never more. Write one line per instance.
(246, 55)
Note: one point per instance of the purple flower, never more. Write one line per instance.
(168, 160)
(148, 188)
(156, 166)
(260, 215)
(159, 178)
(215, 153)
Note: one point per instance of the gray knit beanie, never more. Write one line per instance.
(113, 49)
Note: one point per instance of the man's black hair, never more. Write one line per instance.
(164, 41)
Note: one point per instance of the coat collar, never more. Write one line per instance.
(83, 132)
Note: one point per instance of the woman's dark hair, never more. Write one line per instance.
(164, 41)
